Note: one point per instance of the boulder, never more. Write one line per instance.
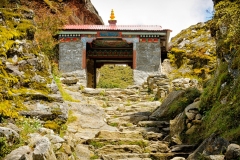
(55, 139)
(162, 110)
(166, 66)
(91, 91)
(46, 111)
(90, 116)
(43, 149)
(21, 153)
(152, 136)
(9, 133)
(192, 110)
(14, 127)
(177, 125)
(53, 86)
(61, 156)
(159, 146)
(233, 152)
(214, 145)
(82, 152)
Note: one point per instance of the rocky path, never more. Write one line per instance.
(114, 124)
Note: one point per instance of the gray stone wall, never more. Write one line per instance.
(148, 56)
(148, 61)
(70, 56)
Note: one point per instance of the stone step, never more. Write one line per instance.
(167, 156)
(128, 118)
(157, 147)
(183, 148)
(152, 136)
(159, 124)
(140, 129)
(144, 156)
(100, 142)
(117, 134)
(126, 156)
(109, 149)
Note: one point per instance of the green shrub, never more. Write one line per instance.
(115, 76)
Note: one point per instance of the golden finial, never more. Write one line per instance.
(112, 17)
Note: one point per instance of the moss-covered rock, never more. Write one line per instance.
(192, 53)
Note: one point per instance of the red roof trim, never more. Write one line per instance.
(114, 27)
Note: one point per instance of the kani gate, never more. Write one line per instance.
(84, 48)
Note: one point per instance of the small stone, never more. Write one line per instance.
(15, 59)
(191, 130)
(198, 117)
(69, 80)
(178, 158)
(189, 125)
(67, 148)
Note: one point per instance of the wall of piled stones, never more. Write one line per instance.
(160, 85)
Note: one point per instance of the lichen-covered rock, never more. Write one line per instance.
(9, 133)
(177, 125)
(43, 149)
(83, 152)
(163, 108)
(24, 152)
(192, 53)
(214, 145)
(233, 152)
(192, 110)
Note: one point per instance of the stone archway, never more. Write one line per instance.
(106, 51)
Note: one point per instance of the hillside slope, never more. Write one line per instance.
(220, 100)
(29, 96)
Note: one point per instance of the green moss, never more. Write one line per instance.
(52, 125)
(94, 157)
(114, 124)
(64, 94)
(71, 117)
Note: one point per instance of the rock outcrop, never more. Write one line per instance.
(81, 11)
(192, 53)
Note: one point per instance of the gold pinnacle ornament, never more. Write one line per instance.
(112, 17)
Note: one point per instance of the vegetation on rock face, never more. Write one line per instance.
(179, 104)
(220, 100)
(24, 70)
(115, 76)
(193, 52)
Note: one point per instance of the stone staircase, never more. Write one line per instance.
(138, 137)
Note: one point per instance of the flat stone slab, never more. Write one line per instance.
(134, 156)
(159, 124)
(153, 136)
(126, 156)
(116, 134)
(108, 149)
(118, 141)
